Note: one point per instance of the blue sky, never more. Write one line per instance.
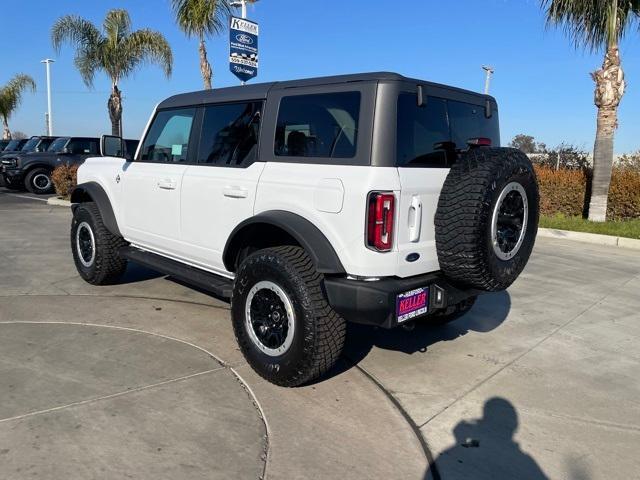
(542, 83)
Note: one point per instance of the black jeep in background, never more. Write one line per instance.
(13, 146)
(32, 170)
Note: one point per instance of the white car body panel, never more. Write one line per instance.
(192, 221)
(214, 201)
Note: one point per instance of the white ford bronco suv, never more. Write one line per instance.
(370, 198)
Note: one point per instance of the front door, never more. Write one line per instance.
(219, 191)
(152, 184)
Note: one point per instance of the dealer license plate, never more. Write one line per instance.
(411, 304)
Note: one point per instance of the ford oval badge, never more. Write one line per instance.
(412, 257)
(242, 38)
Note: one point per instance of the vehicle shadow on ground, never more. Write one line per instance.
(137, 273)
(485, 448)
(488, 313)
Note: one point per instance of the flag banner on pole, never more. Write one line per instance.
(243, 48)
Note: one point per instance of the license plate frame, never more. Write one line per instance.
(412, 304)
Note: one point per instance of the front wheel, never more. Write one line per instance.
(95, 249)
(283, 323)
(39, 181)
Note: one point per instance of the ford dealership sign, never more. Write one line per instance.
(243, 48)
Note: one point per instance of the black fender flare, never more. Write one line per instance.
(93, 191)
(309, 236)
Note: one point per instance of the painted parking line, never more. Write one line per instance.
(27, 196)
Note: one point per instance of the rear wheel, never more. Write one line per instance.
(285, 328)
(39, 181)
(95, 249)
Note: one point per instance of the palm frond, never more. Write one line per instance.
(11, 93)
(117, 25)
(75, 30)
(593, 24)
(201, 17)
(152, 47)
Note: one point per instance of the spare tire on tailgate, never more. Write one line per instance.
(487, 218)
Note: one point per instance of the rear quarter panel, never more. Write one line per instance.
(334, 199)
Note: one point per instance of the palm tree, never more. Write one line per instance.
(10, 98)
(116, 50)
(200, 18)
(599, 25)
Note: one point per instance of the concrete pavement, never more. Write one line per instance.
(537, 382)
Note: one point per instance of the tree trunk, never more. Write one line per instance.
(609, 90)
(6, 133)
(205, 67)
(115, 111)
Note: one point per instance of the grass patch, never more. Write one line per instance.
(622, 228)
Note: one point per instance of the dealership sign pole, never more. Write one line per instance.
(243, 48)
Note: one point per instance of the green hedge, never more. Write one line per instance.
(563, 192)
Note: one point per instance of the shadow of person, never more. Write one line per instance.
(487, 314)
(485, 448)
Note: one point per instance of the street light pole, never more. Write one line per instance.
(487, 79)
(48, 62)
(243, 6)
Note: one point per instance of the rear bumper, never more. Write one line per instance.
(374, 303)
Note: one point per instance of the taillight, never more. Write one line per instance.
(380, 220)
(479, 142)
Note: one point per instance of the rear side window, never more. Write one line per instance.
(433, 135)
(168, 136)
(469, 121)
(321, 125)
(423, 133)
(230, 134)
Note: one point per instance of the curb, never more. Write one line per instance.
(594, 238)
(59, 202)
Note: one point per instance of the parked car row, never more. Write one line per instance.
(28, 164)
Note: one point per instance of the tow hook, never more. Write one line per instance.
(409, 326)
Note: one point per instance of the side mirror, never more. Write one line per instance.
(112, 146)
(65, 151)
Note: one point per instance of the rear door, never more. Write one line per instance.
(429, 139)
(219, 189)
(151, 184)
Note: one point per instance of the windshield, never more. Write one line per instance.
(58, 144)
(13, 145)
(30, 145)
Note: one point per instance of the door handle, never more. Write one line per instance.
(415, 218)
(235, 192)
(167, 184)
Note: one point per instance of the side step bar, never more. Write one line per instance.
(219, 286)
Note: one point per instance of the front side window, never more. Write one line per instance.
(58, 144)
(469, 121)
(321, 125)
(83, 146)
(230, 134)
(423, 133)
(168, 136)
(31, 145)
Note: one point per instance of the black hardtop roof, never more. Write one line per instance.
(260, 90)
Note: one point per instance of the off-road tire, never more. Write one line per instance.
(107, 266)
(451, 313)
(30, 181)
(319, 333)
(463, 218)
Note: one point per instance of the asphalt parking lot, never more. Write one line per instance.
(144, 379)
